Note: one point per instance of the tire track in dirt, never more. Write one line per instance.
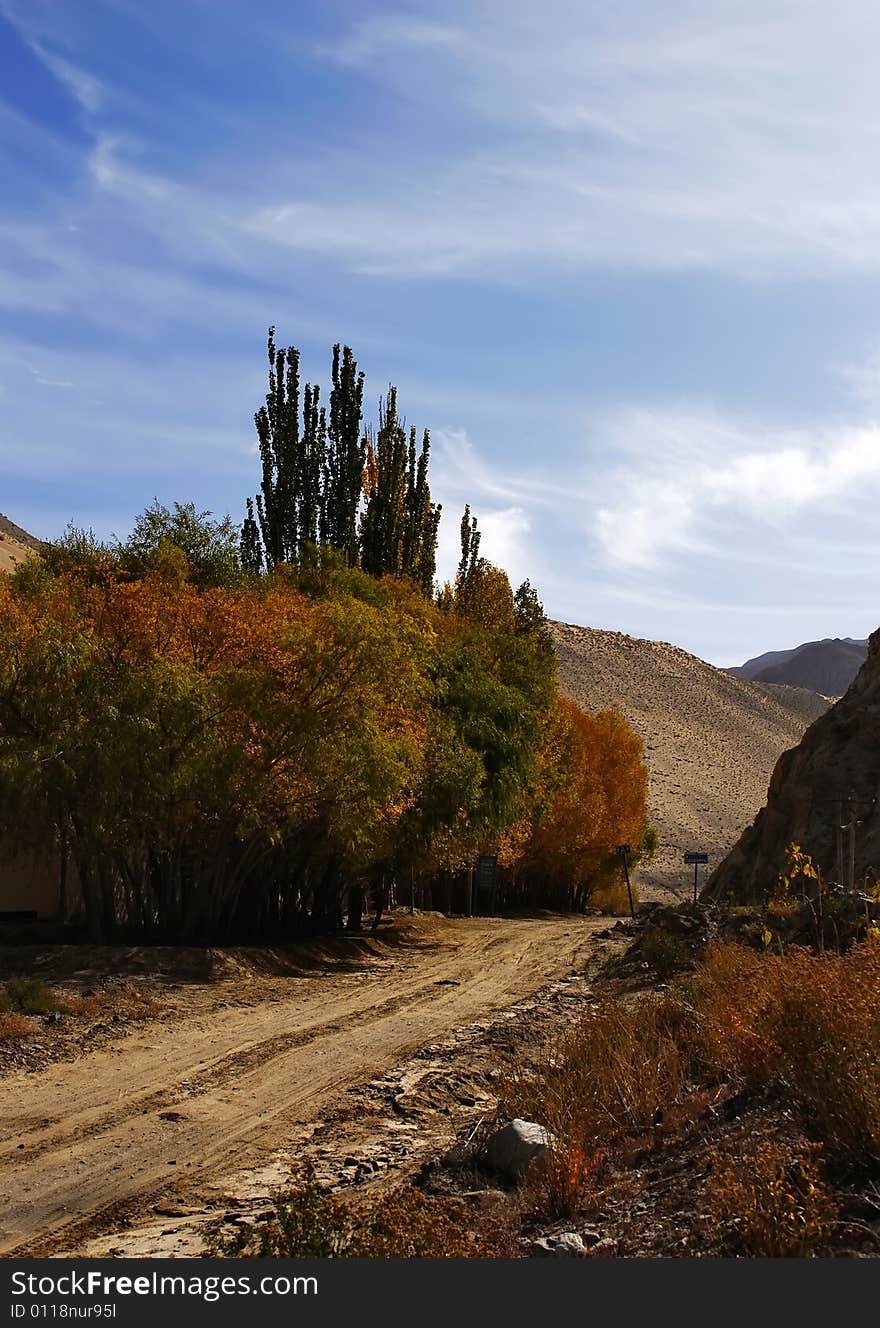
(142, 1118)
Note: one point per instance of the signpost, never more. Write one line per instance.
(623, 851)
(697, 859)
(483, 876)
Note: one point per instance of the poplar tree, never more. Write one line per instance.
(422, 517)
(399, 526)
(470, 547)
(386, 472)
(278, 433)
(251, 547)
(344, 457)
(325, 482)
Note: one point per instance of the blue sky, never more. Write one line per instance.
(624, 261)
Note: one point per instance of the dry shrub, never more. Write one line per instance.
(663, 953)
(733, 995)
(802, 1023)
(611, 897)
(607, 1076)
(307, 1223)
(124, 998)
(783, 910)
(768, 1203)
(562, 1186)
(28, 996)
(406, 1224)
(13, 1026)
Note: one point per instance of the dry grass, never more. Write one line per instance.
(804, 1025)
(125, 998)
(768, 1203)
(798, 1026)
(33, 996)
(29, 996)
(404, 1223)
(14, 1026)
(607, 1077)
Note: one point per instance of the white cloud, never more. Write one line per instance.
(687, 475)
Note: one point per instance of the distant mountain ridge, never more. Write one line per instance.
(826, 666)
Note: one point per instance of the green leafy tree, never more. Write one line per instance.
(210, 546)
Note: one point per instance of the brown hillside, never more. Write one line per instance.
(15, 544)
(838, 759)
(711, 740)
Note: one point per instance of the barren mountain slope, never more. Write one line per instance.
(711, 740)
(15, 544)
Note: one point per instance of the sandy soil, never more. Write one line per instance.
(11, 553)
(15, 544)
(218, 1085)
(711, 740)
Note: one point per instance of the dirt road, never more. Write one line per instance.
(221, 1088)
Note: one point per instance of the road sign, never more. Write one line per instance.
(623, 850)
(485, 871)
(696, 860)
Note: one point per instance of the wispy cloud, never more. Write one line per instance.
(688, 474)
(83, 86)
(660, 137)
(384, 36)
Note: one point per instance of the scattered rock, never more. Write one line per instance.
(603, 1249)
(516, 1147)
(567, 1244)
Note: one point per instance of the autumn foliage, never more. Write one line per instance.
(257, 733)
(267, 758)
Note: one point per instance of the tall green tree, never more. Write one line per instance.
(278, 433)
(400, 522)
(383, 518)
(344, 457)
(327, 483)
(421, 519)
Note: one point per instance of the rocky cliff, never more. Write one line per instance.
(833, 774)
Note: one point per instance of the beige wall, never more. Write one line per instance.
(30, 881)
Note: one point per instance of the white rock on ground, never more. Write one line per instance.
(517, 1146)
(567, 1244)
